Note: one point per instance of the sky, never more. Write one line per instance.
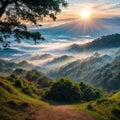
(97, 8)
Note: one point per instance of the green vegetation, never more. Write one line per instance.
(18, 98)
(7, 67)
(18, 12)
(104, 42)
(99, 71)
(34, 76)
(106, 108)
(66, 90)
(21, 93)
(108, 77)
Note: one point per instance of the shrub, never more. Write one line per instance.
(64, 90)
(18, 83)
(90, 107)
(27, 90)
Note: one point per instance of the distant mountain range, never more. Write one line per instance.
(60, 61)
(41, 57)
(78, 28)
(108, 77)
(7, 67)
(105, 42)
(79, 69)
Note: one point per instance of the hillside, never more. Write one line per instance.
(105, 42)
(41, 57)
(107, 108)
(18, 98)
(59, 61)
(101, 72)
(108, 77)
(21, 97)
(82, 68)
(6, 67)
(20, 94)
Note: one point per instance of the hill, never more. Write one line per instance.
(101, 72)
(80, 69)
(105, 42)
(108, 77)
(41, 57)
(7, 67)
(60, 61)
(18, 98)
(107, 108)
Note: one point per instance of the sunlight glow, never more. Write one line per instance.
(85, 14)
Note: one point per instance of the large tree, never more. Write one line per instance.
(15, 13)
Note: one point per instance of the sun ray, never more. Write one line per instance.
(85, 14)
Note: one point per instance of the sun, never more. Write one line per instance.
(85, 14)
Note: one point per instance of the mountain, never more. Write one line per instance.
(80, 69)
(108, 77)
(7, 67)
(105, 42)
(101, 72)
(60, 61)
(79, 28)
(41, 57)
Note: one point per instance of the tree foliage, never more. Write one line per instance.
(66, 90)
(15, 13)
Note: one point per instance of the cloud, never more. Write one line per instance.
(99, 6)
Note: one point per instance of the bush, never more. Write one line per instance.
(18, 83)
(90, 107)
(116, 112)
(28, 91)
(89, 93)
(102, 100)
(12, 78)
(64, 90)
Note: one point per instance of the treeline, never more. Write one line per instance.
(66, 90)
(108, 77)
(105, 42)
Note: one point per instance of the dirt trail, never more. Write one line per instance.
(59, 113)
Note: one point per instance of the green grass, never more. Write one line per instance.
(83, 107)
(14, 104)
(107, 108)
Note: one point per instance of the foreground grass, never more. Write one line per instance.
(107, 108)
(83, 107)
(15, 105)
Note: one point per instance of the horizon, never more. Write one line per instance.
(99, 9)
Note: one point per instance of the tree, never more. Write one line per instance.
(15, 13)
(64, 90)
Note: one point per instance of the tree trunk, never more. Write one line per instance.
(2, 10)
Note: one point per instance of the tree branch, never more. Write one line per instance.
(4, 5)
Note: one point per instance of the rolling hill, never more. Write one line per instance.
(106, 108)
(59, 61)
(105, 42)
(78, 70)
(108, 77)
(18, 98)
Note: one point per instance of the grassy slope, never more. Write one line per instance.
(104, 108)
(15, 105)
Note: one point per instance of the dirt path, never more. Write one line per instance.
(59, 113)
